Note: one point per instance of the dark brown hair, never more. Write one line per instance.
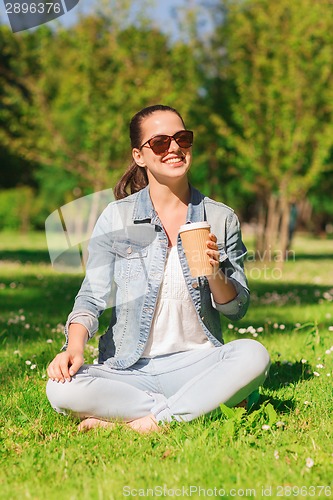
(135, 178)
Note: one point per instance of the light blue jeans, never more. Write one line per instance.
(180, 386)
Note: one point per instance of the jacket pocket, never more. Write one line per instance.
(131, 260)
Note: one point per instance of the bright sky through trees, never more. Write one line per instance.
(163, 12)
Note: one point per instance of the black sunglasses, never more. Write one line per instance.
(160, 143)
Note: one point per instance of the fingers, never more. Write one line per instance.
(76, 364)
(212, 237)
(212, 242)
(212, 250)
(64, 366)
(58, 368)
(64, 370)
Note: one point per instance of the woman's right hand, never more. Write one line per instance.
(65, 365)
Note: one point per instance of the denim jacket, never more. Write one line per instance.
(127, 254)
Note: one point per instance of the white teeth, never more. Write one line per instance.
(174, 160)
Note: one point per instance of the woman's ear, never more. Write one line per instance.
(138, 157)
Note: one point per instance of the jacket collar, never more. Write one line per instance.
(144, 210)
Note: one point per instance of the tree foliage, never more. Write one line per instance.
(259, 96)
(276, 75)
(76, 90)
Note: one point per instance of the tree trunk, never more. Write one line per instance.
(284, 227)
(260, 231)
(273, 227)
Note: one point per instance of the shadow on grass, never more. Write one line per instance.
(305, 256)
(53, 294)
(281, 375)
(274, 293)
(25, 256)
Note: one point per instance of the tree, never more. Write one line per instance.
(274, 66)
(83, 85)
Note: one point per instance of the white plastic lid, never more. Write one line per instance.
(194, 225)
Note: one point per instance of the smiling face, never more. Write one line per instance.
(174, 163)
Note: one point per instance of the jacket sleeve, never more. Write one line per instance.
(95, 292)
(232, 264)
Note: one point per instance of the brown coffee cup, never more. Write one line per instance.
(194, 237)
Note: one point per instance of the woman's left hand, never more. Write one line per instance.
(213, 253)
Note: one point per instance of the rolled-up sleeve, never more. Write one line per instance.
(232, 257)
(84, 318)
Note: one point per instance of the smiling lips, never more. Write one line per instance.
(174, 159)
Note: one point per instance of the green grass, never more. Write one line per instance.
(43, 455)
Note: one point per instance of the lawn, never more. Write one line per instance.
(282, 448)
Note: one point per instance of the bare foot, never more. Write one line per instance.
(92, 422)
(144, 425)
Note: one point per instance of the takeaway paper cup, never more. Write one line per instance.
(194, 237)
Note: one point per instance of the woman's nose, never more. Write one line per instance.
(173, 145)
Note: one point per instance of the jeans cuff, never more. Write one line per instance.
(160, 408)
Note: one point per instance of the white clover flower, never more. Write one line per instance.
(307, 402)
(328, 351)
(242, 330)
(49, 341)
(260, 329)
(297, 325)
(22, 318)
(265, 427)
(282, 327)
(309, 463)
(27, 326)
(230, 326)
(320, 366)
(280, 424)
(255, 334)
(304, 361)
(275, 325)
(330, 328)
(276, 455)
(316, 374)
(328, 374)
(32, 367)
(28, 362)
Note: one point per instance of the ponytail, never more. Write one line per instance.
(135, 178)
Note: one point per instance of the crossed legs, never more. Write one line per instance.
(179, 386)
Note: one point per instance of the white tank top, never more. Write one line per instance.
(175, 326)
